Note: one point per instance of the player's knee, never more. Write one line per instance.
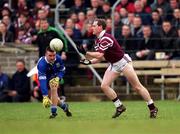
(137, 87)
(104, 86)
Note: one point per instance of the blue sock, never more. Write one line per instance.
(63, 106)
(53, 109)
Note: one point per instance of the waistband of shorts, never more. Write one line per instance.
(123, 58)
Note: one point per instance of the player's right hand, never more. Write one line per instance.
(54, 81)
(46, 102)
(85, 61)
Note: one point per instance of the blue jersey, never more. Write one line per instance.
(47, 71)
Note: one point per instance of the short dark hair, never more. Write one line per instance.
(167, 21)
(155, 11)
(106, 3)
(21, 61)
(49, 49)
(101, 22)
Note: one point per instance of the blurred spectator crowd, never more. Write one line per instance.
(146, 29)
(142, 27)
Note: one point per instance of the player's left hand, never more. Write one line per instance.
(85, 61)
(54, 82)
(46, 102)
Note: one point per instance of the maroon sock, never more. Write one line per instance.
(151, 106)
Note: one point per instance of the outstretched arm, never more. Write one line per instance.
(96, 55)
(94, 61)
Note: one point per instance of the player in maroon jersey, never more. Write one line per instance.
(107, 47)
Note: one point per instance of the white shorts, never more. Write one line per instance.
(119, 65)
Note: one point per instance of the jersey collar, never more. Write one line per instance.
(48, 61)
(102, 33)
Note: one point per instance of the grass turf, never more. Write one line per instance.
(90, 118)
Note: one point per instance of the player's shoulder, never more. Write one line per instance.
(107, 35)
(106, 39)
(58, 57)
(41, 62)
(52, 29)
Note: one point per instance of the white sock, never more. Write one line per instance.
(117, 103)
(150, 102)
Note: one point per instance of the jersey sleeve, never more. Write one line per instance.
(42, 77)
(105, 43)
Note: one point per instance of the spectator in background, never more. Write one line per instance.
(90, 16)
(23, 37)
(22, 7)
(74, 18)
(124, 14)
(130, 19)
(174, 4)
(5, 36)
(161, 13)
(20, 84)
(162, 4)
(4, 87)
(22, 21)
(46, 34)
(39, 4)
(78, 7)
(156, 21)
(108, 25)
(106, 7)
(126, 40)
(41, 14)
(129, 6)
(46, 10)
(95, 6)
(148, 46)
(168, 38)
(5, 11)
(10, 27)
(44, 14)
(88, 38)
(117, 24)
(146, 5)
(81, 20)
(76, 32)
(136, 29)
(176, 18)
(139, 10)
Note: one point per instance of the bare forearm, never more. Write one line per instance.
(94, 61)
(95, 55)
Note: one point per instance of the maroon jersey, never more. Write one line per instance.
(108, 45)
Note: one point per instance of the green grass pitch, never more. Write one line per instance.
(90, 118)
